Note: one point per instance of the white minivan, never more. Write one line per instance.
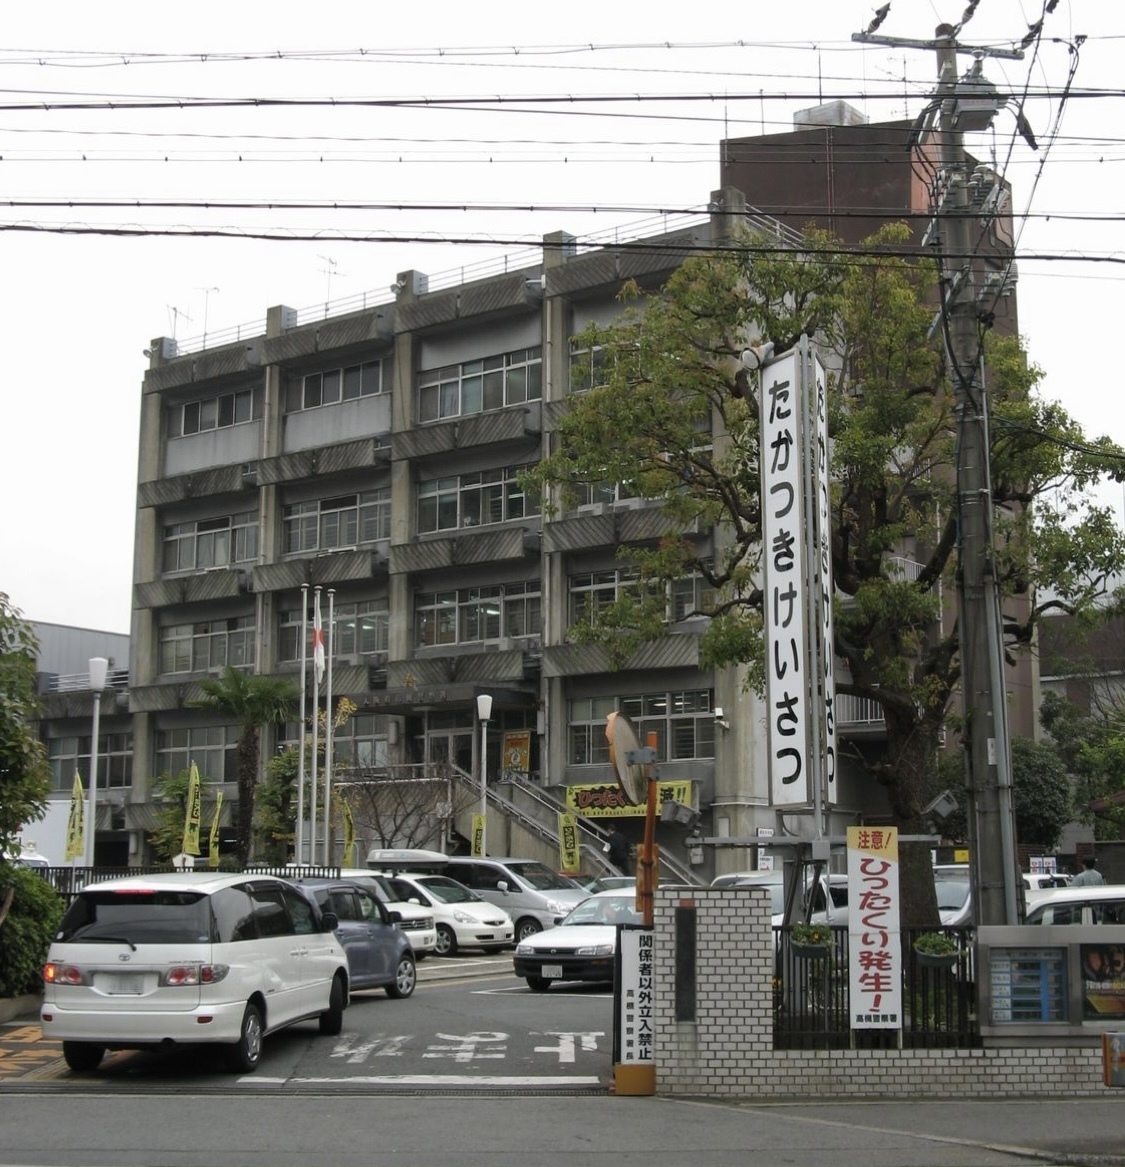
(190, 957)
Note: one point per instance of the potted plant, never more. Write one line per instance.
(936, 950)
(810, 941)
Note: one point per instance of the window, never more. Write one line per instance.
(67, 756)
(587, 367)
(346, 520)
(472, 500)
(214, 749)
(228, 409)
(361, 627)
(682, 720)
(592, 592)
(332, 386)
(209, 644)
(203, 543)
(478, 386)
(477, 615)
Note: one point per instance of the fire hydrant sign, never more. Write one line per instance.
(874, 941)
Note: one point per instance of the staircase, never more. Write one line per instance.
(530, 829)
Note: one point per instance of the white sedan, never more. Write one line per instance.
(463, 919)
(582, 947)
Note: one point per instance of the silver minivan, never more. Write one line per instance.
(190, 957)
(529, 891)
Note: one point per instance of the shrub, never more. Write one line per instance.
(28, 930)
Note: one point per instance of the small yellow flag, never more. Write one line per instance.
(193, 814)
(76, 823)
(213, 854)
(349, 832)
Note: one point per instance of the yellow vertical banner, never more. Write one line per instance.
(478, 836)
(568, 843)
(76, 823)
(193, 814)
(517, 754)
(349, 832)
(213, 841)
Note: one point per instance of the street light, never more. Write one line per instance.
(98, 666)
(484, 712)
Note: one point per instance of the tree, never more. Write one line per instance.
(167, 838)
(1092, 747)
(24, 776)
(253, 702)
(673, 419)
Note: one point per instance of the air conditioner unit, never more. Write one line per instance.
(592, 508)
(334, 551)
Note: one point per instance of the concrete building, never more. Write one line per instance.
(374, 452)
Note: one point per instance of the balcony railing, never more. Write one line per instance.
(80, 682)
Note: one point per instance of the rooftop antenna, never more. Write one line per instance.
(206, 302)
(328, 270)
(177, 315)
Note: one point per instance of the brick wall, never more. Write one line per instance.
(728, 1049)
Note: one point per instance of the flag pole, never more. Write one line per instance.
(328, 728)
(318, 669)
(299, 850)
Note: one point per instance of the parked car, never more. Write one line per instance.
(825, 901)
(609, 883)
(1080, 905)
(530, 892)
(1045, 880)
(581, 948)
(379, 953)
(462, 918)
(416, 921)
(190, 957)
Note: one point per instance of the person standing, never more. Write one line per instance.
(617, 848)
(1089, 876)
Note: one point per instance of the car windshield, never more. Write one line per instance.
(138, 917)
(604, 910)
(382, 888)
(951, 893)
(449, 891)
(541, 878)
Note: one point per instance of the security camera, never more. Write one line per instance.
(147, 352)
(755, 357)
(720, 719)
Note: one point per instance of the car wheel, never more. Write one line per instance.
(83, 1057)
(538, 984)
(332, 1019)
(243, 1057)
(446, 941)
(406, 977)
(526, 927)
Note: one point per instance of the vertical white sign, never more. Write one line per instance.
(636, 1032)
(824, 585)
(785, 574)
(874, 940)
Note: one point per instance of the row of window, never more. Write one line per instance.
(67, 756)
(452, 391)
(473, 500)
(683, 722)
(346, 520)
(472, 615)
(333, 386)
(213, 413)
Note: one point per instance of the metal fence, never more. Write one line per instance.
(69, 881)
(811, 999)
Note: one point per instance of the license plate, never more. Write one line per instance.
(123, 983)
(552, 970)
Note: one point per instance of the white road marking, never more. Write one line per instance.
(425, 1080)
(568, 1043)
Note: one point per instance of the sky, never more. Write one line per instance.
(85, 288)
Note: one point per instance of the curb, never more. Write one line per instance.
(17, 1006)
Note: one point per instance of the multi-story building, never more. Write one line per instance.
(375, 452)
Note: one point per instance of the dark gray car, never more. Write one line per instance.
(379, 953)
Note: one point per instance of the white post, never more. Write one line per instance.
(328, 731)
(98, 666)
(315, 726)
(299, 849)
(484, 712)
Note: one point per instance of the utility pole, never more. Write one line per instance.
(971, 103)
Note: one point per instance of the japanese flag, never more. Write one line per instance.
(318, 640)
